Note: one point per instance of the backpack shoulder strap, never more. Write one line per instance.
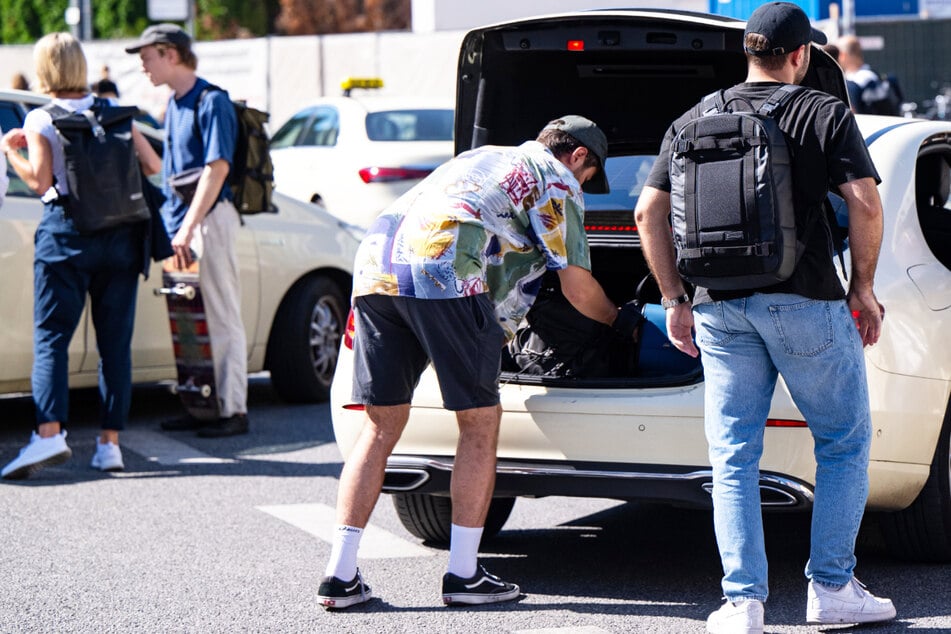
(712, 103)
(56, 111)
(204, 91)
(779, 99)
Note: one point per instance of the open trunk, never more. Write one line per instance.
(632, 72)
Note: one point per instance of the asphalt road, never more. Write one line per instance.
(205, 535)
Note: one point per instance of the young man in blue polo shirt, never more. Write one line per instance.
(200, 135)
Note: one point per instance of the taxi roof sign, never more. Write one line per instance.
(350, 83)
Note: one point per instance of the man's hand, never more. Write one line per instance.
(629, 317)
(181, 245)
(680, 328)
(868, 313)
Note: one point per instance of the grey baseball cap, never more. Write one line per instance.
(161, 34)
(591, 136)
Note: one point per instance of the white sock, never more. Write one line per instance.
(464, 550)
(343, 554)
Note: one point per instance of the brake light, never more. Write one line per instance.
(614, 228)
(348, 331)
(355, 407)
(391, 174)
(777, 422)
(575, 45)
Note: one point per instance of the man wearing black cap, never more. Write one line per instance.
(802, 329)
(200, 136)
(444, 276)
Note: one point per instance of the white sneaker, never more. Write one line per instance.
(742, 617)
(108, 457)
(41, 452)
(851, 603)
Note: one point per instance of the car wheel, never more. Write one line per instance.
(305, 341)
(922, 532)
(429, 517)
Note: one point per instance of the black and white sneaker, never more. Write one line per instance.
(337, 594)
(482, 587)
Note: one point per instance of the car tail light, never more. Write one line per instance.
(778, 422)
(575, 45)
(390, 174)
(348, 332)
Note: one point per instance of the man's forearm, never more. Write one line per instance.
(206, 193)
(865, 230)
(653, 209)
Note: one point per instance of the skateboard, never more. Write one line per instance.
(193, 358)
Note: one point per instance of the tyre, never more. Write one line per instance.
(922, 532)
(429, 517)
(305, 340)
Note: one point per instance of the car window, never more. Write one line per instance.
(322, 128)
(933, 200)
(410, 125)
(626, 178)
(312, 126)
(10, 116)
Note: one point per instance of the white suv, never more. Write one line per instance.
(640, 435)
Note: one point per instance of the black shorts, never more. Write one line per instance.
(396, 337)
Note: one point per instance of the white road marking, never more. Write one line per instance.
(156, 447)
(587, 629)
(319, 520)
(300, 453)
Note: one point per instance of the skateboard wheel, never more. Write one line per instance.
(173, 388)
(189, 292)
(205, 391)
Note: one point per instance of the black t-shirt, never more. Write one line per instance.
(827, 149)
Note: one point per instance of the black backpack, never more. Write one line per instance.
(102, 170)
(732, 210)
(252, 173)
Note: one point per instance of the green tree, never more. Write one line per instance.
(224, 19)
(25, 21)
(113, 19)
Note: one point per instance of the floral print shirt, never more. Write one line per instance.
(492, 220)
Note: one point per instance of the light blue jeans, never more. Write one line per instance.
(745, 344)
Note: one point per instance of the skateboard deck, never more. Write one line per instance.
(193, 358)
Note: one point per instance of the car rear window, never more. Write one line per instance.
(410, 125)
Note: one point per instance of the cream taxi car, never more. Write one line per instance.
(295, 278)
(357, 153)
(639, 436)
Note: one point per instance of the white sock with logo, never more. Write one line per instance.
(464, 550)
(343, 554)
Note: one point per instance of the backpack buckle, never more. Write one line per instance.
(683, 146)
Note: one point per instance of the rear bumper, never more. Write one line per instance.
(686, 487)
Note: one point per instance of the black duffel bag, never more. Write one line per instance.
(561, 342)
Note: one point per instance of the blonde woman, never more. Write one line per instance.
(68, 266)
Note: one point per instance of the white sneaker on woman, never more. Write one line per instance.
(108, 457)
(41, 452)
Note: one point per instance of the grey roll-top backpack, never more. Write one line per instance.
(731, 195)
